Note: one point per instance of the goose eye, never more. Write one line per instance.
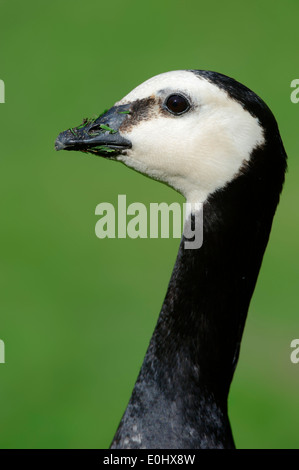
(177, 104)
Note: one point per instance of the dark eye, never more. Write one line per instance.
(177, 104)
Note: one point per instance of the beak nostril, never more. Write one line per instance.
(94, 129)
(101, 127)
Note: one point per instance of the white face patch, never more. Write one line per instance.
(196, 152)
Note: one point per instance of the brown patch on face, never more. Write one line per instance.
(140, 110)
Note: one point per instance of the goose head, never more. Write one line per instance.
(193, 130)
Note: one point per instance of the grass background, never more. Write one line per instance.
(77, 312)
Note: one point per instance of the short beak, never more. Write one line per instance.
(99, 136)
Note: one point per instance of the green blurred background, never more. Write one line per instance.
(77, 312)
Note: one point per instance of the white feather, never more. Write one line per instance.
(196, 152)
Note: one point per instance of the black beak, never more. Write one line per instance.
(99, 136)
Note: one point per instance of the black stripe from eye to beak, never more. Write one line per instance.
(140, 110)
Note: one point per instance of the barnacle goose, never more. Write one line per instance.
(216, 142)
